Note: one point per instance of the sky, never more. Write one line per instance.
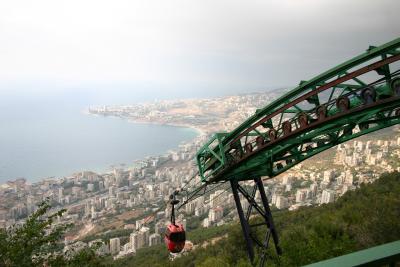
(183, 45)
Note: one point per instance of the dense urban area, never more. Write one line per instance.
(125, 209)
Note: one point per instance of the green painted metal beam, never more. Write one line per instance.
(375, 256)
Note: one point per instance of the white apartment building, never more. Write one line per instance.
(154, 239)
(115, 246)
(281, 202)
(328, 196)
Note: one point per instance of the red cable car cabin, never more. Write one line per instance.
(175, 237)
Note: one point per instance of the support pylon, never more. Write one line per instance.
(265, 212)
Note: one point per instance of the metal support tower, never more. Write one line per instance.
(263, 210)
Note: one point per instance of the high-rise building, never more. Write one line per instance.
(133, 239)
(93, 212)
(217, 198)
(154, 239)
(313, 189)
(328, 196)
(198, 211)
(60, 194)
(273, 199)
(206, 223)
(328, 176)
(88, 207)
(189, 207)
(118, 176)
(143, 237)
(215, 214)
(199, 202)
(90, 187)
(288, 187)
(349, 178)
(101, 185)
(115, 245)
(281, 202)
(301, 195)
(111, 191)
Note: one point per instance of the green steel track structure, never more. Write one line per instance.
(352, 99)
(360, 96)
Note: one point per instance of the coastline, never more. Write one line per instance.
(102, 169)
(198, 130)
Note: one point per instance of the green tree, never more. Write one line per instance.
(36, 242)
(33, 242)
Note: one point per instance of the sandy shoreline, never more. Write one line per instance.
(199, 130)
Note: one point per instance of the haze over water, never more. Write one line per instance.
(45, 134)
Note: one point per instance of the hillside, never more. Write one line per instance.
(360, 219)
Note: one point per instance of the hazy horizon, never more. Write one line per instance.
(182, 48)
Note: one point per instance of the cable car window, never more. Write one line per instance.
(178, 237)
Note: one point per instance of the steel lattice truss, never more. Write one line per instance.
(357, 97)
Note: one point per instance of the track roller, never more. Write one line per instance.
(303, 120)
(287, 127)
(321, 112)
(260, 141)
(343, 103)
(368, 95)
(272, 134)
(395, 85)
(248, 148)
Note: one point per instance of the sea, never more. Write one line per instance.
(46, 133)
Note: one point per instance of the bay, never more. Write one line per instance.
(51, 136)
